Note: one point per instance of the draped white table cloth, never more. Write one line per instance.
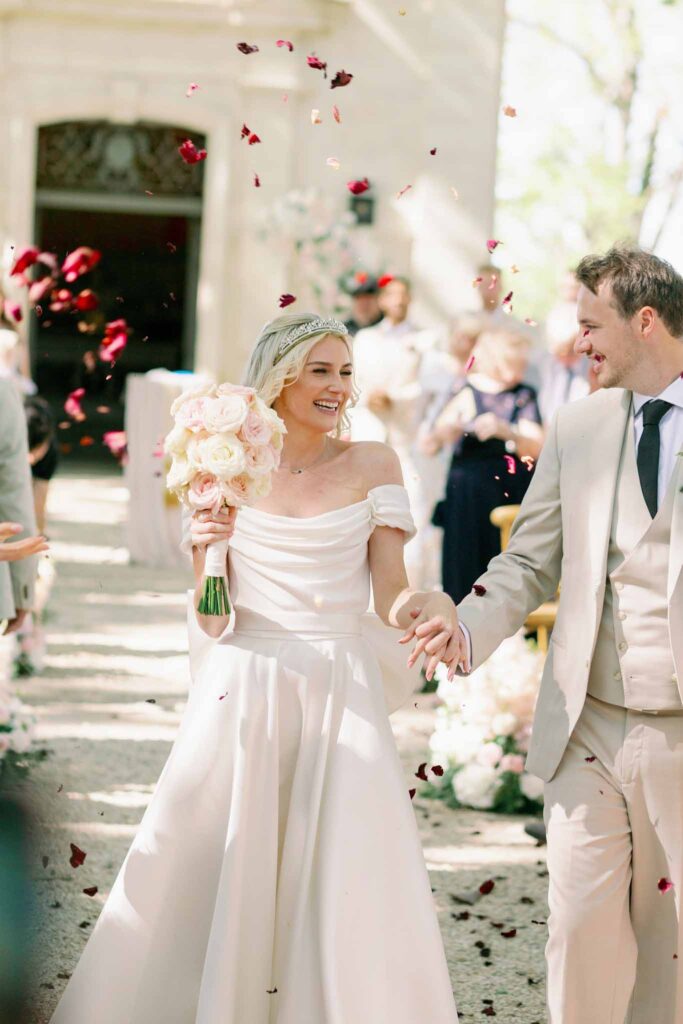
(154, 522)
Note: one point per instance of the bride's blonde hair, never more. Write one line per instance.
(269, 372)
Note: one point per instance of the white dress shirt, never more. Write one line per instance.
(670, 430)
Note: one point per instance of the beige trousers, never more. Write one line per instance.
(615, 828)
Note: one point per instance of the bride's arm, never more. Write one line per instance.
(396, 603)
(205, 529)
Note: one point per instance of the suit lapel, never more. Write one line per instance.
(676, 552)
(603, 468)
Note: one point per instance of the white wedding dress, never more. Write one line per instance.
(277, 875)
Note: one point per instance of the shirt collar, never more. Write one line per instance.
(673, 393)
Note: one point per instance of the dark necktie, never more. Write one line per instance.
(648, 451)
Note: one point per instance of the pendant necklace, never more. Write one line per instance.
(296, 472)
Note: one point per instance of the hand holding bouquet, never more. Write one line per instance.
(224, 447)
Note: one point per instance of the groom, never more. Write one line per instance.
(604, 514)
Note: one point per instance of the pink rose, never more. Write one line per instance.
(255, 430)
(224, 414)
(512, 763)
(205, 492)
(190, 415)
(489, 754)
(236, 491)
(260, 460)
(236, 389)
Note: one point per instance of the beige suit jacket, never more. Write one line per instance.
(562, 531)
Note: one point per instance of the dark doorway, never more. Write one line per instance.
(125, 192)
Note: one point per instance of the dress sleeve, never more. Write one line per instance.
(391, 507)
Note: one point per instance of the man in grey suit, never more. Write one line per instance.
(604, 513)
(17, 559)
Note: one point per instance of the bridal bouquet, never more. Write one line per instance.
(483, 729)
(224, 446)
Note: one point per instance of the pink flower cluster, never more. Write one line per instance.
(224, 446)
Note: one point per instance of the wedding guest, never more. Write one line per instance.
(365, 312)
(490, 426)
(43, 452)
(11, 355)
(389, 361)
(495, 313)
(564, 372)
(16, 507)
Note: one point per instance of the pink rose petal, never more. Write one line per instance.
(247, 48)
(285, 42)
(492, 244)
(358, 186)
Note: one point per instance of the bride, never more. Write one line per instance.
(277, 875)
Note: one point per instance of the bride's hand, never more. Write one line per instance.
(437, 631)
(208, 527)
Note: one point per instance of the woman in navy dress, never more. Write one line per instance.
(493, 427)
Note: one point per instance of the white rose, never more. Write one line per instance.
(225, 414)
(175, 442)
(476, 785)
(490, 755)
(503, 724)
(199, 391)
(222, 456)
(20, 741)
(180, 473)
(260, 487)
(531, 786)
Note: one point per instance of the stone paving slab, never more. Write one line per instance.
(116, 639)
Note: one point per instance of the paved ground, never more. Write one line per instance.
(116, 639)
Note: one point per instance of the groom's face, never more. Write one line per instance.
(606, 339)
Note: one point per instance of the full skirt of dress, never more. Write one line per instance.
(277, 875)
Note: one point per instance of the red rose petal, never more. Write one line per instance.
(72, 405)
(190, 153)
(358, 186)
(253, 139)
(403, 191)
(492, 244)
(479, 589)
(470, 363)
(192, 87)
(420, 773)
(432, 152)
(437, 769)
(507, 299)
(86, 300)
(247, 48)
(245, 132)
(317, 64)
(336, 114)
(486, 887)
(411, 793)
(79, 262)
(286, 300)
(257, 181)
(77, 856)
(665, 885)
(91, 890)
(340, 79)
(510, 934)
(590, 759)
(13, 311)
(285, 42)
(25, 259)
(384, 280)
(511, 465)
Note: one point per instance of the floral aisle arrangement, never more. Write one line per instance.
(483, 729)
(17, 722)
(316, 237)
(224, 446)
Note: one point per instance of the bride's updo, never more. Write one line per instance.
(276, 362)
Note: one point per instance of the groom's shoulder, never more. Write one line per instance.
(577, 419)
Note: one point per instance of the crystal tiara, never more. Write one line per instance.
(303, 331)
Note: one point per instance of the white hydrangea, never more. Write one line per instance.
(476, 785)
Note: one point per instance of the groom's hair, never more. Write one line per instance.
(638, 278)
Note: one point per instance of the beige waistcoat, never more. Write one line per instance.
(633, 663)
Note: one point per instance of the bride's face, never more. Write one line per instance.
(318, 398)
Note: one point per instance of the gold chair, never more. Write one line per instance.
(543, 619)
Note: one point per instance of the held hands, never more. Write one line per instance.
(208, 527)
(437, 631)
(18, 549)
